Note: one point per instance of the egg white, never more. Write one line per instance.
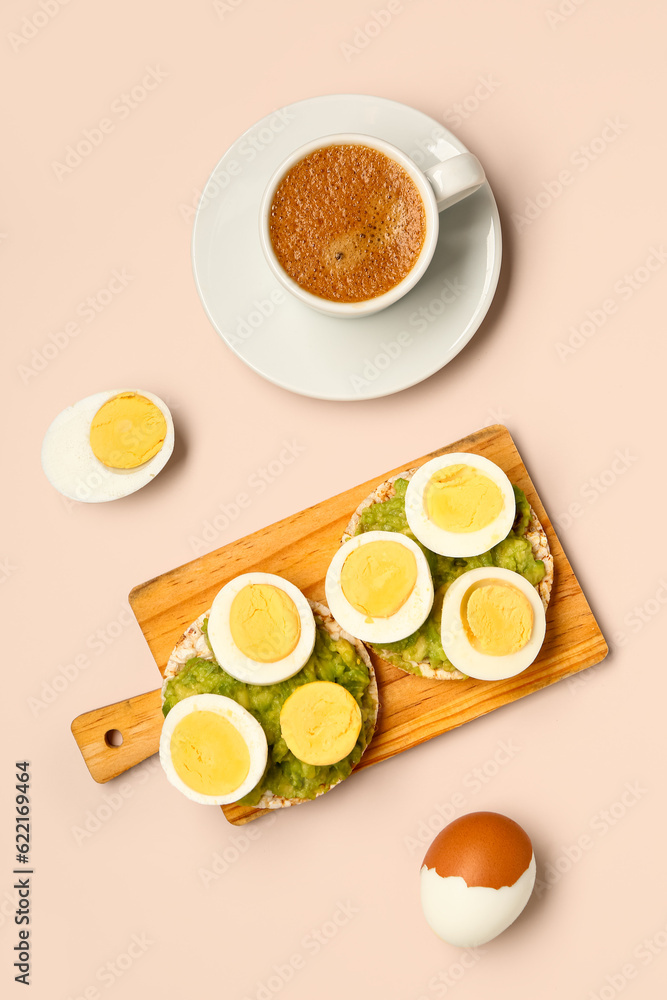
(73, 469)
(468, 916)
(228, 654)
(455, 642)
(245, 723)
(407, 619)
(454, 543)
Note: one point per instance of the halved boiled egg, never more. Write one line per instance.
(108, 445)
(460, 505)
(320, 722)
(212, 749)
(493, 623)
(379, 586)
(261, 628)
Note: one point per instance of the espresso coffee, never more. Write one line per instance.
(347, 223)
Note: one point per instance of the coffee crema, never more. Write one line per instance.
(347, 223)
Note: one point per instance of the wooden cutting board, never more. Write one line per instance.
(412, 709)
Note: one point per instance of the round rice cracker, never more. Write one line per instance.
(534, 533)
(193, 642)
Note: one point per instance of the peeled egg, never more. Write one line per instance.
(261, 628)
(379, 586)
(493, 623)
(476, 878)
(212, 749)
(460, 505)
(108, 445)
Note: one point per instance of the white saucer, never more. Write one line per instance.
(292, 345)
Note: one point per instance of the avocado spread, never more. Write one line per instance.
(332, 659)
(514, 552)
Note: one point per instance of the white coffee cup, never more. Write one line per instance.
(440, 186)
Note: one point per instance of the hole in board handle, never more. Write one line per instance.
(113, 738)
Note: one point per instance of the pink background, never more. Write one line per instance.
(597, 925)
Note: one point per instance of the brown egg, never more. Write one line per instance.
(477, 876)
(484, 848)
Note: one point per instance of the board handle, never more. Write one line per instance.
(115, 738)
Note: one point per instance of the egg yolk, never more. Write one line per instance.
(209, 754)
(460, 499)
(320, 722)
(497, 618)
(264, 622)
(378, 578)
(127, 431)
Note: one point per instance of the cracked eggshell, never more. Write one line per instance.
(477, 877)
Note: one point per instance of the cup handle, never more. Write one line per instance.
(454, 179)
